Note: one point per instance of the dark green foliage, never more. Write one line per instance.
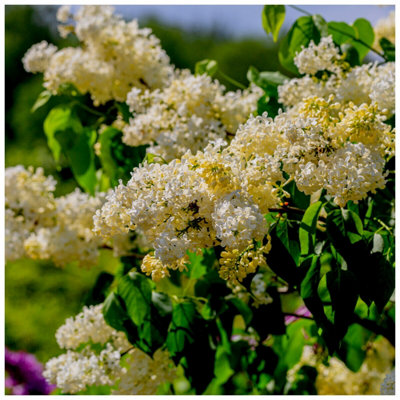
(118, 159)
(98, 293)
(388, 49)
(281, 261)
(268, 319)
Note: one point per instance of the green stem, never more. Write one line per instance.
(301, 10)
(383, 225)
(90, 110)
(231, 80)
(286, 209)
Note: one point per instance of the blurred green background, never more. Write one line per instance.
(39, 296)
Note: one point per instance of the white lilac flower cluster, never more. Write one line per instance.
(145, 374)
(114, 56)
(186, 115)
(219, 196)
(321, 57)
(117, 363)
(339, 148)
(174, 111)
(374, 377)
(213, 198)
(40, 226)
(368, 83)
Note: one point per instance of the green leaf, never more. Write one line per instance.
(344, 228)
(123, 108)
(162, 303)
(351, 55)
(118, 159)
(268, 319)
(299, 199)
(269, 105)
(108, 162)
(343, 289)
(288, 236)
(98, 293)
(197, 264)
(222, 368)
(309, 290)
(243, 309)
(135, 290)
(389, 49)
(152, 333)
(267, 80)
(65, 133)
(365, 33)
(213, 288)
(382, 279)
(272, 19)
(42, 99)
(273, 77)
(300, 34)
(180, 332)
(308, 227)
(281, 262)
(114, 313)
(295, 340)
(353, 350)
(209, 67)
(290, 348)
(341, 32)
(79, 151)
(59, 120)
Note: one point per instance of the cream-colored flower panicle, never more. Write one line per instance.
(314, 58)
(114, 56)
(235, 265)
(197, 202)
(374, 377)
(186, 115)
(368, 83)
(40, 226)
(116, 362)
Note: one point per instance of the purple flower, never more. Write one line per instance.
(25, 374)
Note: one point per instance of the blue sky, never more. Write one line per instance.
(239, 20)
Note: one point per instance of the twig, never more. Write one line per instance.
(286, 209)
